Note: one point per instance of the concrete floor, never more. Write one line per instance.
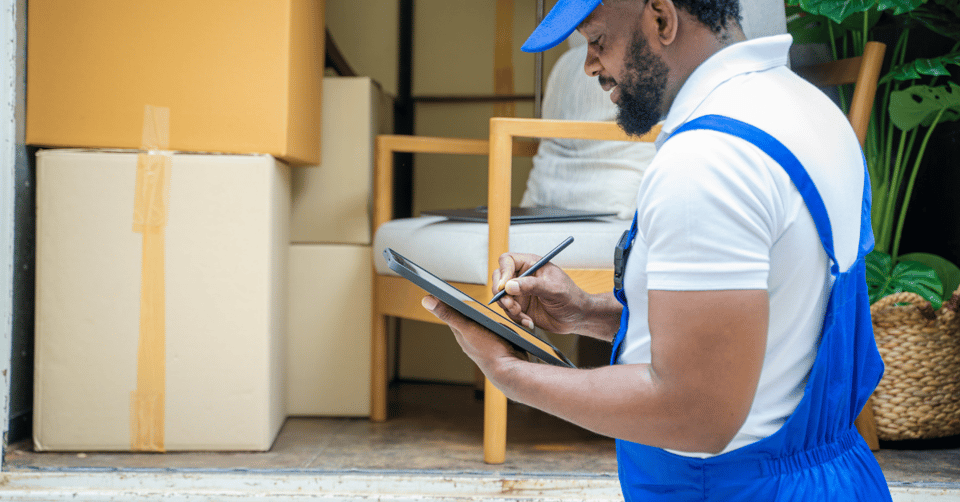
(437, 429)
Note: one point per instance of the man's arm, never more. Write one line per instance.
(603, 322)
(707, 351)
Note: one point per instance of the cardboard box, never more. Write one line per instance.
(218, 354)
(332, 202)
(239, 76)
(328, 343)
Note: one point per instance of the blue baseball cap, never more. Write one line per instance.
(559, 23)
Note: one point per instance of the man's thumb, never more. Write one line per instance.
(430, 303)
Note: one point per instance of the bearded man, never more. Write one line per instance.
(742, 343)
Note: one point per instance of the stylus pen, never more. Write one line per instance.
(536, 266)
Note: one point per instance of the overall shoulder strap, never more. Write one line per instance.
(783, 156)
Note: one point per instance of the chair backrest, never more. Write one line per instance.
(863, 71)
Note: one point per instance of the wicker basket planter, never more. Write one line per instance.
(919, 395)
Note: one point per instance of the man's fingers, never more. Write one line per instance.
(509, 266)
(513, 287)
(429, 303)
(526, 321)
(479, 344)
(438, 309)
(507, 270)
(530, 286)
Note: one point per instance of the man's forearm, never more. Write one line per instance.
(706, 351)
(601, 317)
(625, 401)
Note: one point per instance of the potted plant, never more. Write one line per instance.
(919, 395)
(913, 98)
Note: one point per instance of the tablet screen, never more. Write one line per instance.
(476, 310)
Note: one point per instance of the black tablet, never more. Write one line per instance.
(519, 215)
(475, 310)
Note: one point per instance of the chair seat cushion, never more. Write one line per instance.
(457, 251)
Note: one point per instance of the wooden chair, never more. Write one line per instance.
(397, 297)
(393, 296)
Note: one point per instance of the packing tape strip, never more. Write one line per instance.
(151, 201)
(503, 59)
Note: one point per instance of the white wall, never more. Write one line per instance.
(16, 227)
(10, 111)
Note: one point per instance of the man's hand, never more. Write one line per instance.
(491, 353)
(550, 299)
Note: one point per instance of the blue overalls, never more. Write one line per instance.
(818, 453)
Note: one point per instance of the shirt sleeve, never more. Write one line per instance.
(708, 214)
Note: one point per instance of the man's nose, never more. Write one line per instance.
(592, 65)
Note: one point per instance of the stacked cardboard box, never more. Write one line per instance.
(238, 76)
(162, 268)
(328, 370)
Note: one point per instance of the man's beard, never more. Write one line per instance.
(641, 89)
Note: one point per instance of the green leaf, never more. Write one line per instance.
(923, 66)
(879, 208)
(943, 19)
(879, 266)
(836, 10)
(884, 278)
(899, 6)
(808, 28)
(948, 273)
(854, 22)
(919, 104)
(951, 5)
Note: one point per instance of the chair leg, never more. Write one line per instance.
(494, 424)
(867, 426)
(378, 369)
(479, 382)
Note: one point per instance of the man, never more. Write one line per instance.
(578, 173)
(742, 343)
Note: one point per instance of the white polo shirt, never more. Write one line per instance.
(716, 213)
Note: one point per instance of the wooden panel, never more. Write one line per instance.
(571, 129)
(389, 143)
(592, 281)
(422, 144)
(833, 73)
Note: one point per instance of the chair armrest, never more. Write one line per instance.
(503, 132)
(388, 144)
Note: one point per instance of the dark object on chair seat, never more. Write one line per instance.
(521, 214)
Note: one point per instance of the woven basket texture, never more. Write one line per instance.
(919, 395)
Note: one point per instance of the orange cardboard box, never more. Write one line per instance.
(239, 76)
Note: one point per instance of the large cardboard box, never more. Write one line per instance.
(332, 202)
(238, 76)
(160, 333)
(328, 367)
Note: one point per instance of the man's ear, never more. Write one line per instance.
(664, 14)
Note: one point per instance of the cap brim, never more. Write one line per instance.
(559, 23)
